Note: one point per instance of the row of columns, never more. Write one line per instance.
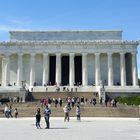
(122, 69)
(45, 79)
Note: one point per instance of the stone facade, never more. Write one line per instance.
(101, 56)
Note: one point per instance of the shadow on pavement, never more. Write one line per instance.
(59, 128)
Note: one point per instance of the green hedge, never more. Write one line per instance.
(132, 100)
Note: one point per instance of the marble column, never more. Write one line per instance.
(58, 69)
(6, 70)
(122, 69)
(32, 69)
(45, 78)
(71, 70)
(19, 69)
(110, 70)
(97, 69)
(84, 69)
(134, 69)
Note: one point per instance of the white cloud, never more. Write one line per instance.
(5, 27)
(20, 22)
(14, 24)
(8, 28)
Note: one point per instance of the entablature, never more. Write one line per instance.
(68, 46)
(67, 42)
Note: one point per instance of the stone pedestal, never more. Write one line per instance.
(22, 94)
(102, 93)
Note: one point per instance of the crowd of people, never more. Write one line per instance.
(111, 102)
(77, 100)
(70, 102)
(16, 99)
(8, 111)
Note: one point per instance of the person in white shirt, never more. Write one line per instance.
(6, 111)
(47, 113)
(66, 112)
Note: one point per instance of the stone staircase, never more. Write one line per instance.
(29, 109)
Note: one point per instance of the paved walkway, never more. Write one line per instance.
(87, 129)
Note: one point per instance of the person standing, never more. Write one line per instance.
(78, 112)
(94, 101)
(56, 102)
(16, 113)
(66, 112)
(6, 111)
(10, 112)
(60, 102)
(101, 101)
(47, 113)
(38, 118)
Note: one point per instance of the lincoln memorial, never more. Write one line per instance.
(86, 60)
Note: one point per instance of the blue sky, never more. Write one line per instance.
(71, 14)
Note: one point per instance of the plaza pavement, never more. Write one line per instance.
(86, 129)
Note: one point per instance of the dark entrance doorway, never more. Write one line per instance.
(128, 68)
(52, 69)
(78, 69)
(65, 70)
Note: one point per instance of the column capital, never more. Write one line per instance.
(7, 54)
(19, 54)
(122, 53)
(44, 54)
(133, 53)
(58, 54)
(97, 53)
(71, 54)
(109, 53)
(32, 54)
(84, 54)
(1, 55)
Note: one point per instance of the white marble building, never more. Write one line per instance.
(67, 58)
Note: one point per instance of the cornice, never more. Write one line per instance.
(88, 30)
